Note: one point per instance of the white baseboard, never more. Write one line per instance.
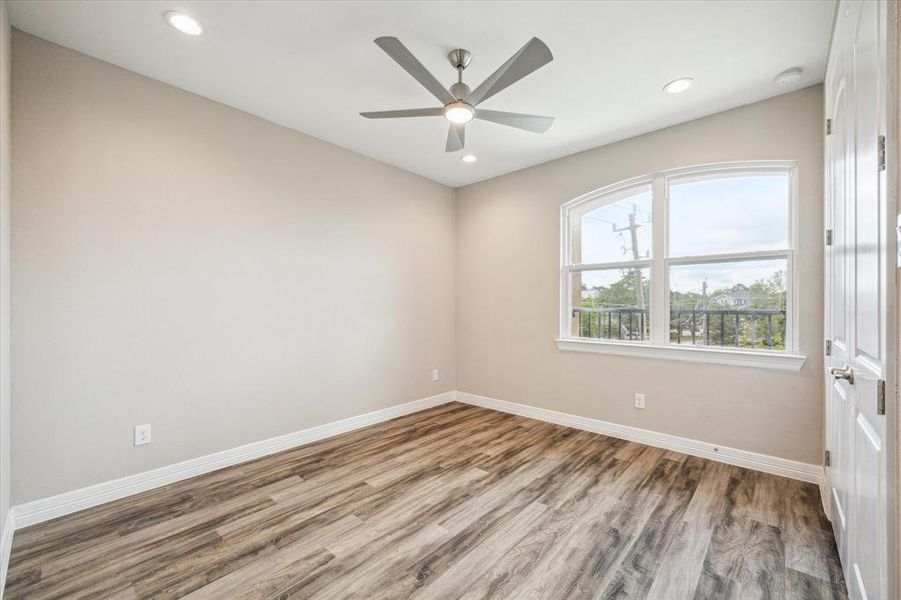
(66, 503)
(733, 456)
(6, 545)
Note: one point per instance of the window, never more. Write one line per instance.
(692, 264)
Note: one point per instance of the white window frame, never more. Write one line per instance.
(659, 345)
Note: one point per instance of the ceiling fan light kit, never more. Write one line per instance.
(459, 112)
(459, 102)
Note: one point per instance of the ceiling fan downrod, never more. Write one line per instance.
(459, 59)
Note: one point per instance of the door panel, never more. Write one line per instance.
(869, 538)
(841, 470)
(867, 227)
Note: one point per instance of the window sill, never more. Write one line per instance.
(761, 359)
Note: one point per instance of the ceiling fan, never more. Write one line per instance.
(459, 103)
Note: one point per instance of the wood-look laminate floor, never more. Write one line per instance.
(452, 502)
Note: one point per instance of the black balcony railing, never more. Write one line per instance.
(741, 328)
(613, 323)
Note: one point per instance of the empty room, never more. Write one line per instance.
(450, 299)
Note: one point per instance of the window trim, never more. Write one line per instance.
(659, 263)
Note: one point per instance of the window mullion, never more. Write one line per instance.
(659, 285)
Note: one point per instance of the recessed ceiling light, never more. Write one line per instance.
(678, 85)
(788, 77)
(469, 158)
(459, 112)
(184, 23)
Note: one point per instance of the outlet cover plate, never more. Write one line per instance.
(142, 435)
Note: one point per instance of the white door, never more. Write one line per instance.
(857, 297)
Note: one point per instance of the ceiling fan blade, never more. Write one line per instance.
(456, 134)
(407, 112)
(534, 123)
(531, 57)
(411, 65)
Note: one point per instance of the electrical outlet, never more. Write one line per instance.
(142, 435)
(639, 400)
(435, 376)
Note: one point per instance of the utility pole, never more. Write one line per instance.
(632, 228)
(705, 327)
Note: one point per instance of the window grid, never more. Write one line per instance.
(660, 261)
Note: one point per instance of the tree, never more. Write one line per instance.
(619, 294)
(631, 322)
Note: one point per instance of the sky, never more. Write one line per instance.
(713, 216)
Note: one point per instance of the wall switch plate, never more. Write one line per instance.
(435, 376)
(639, 400)
(142, 435)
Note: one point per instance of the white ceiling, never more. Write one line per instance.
(312, 66)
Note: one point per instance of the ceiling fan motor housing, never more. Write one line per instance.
(459, 90)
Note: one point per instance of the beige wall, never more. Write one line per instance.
(183, 264)
(508, 260)
(5, 199)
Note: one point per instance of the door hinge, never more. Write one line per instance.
(827, 460)
(828, 237)
(881, 152)
(880, 396)
(828, 348)
(828, 126)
